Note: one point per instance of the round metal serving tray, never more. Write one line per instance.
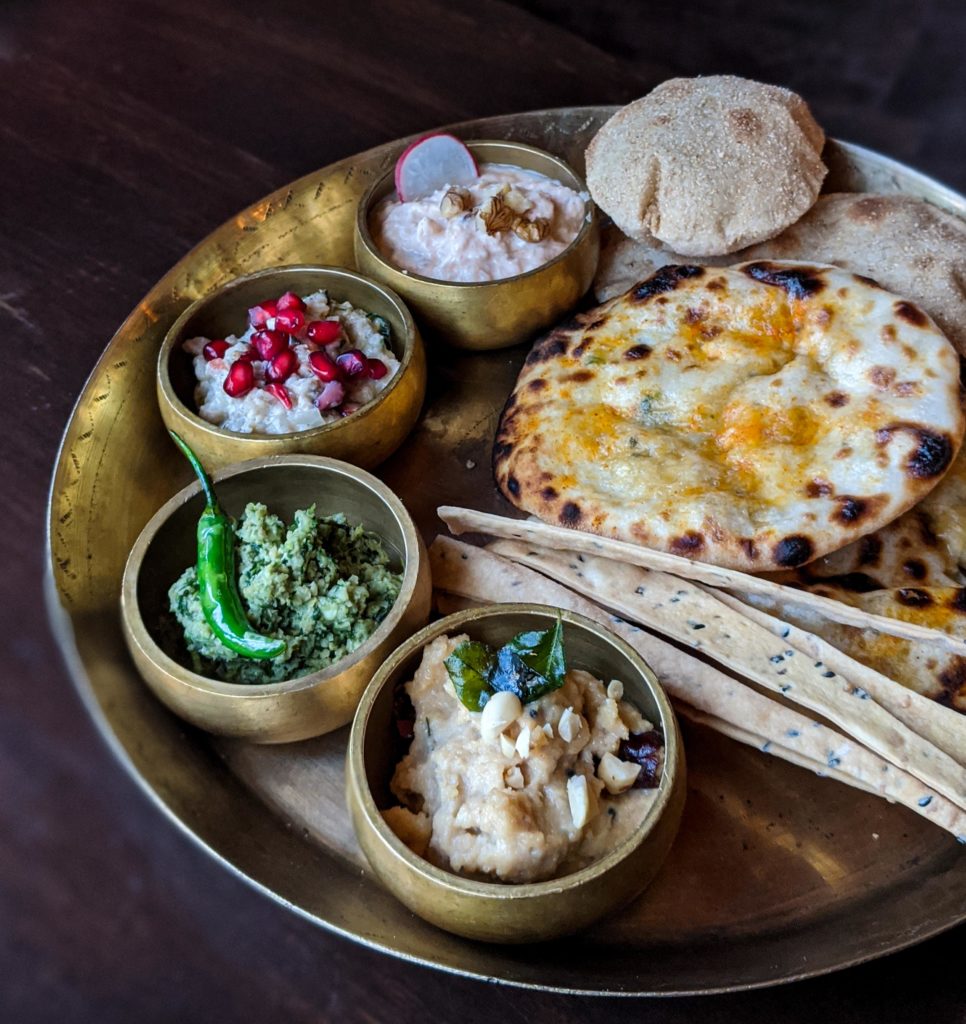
(777, 874)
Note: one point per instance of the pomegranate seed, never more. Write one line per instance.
(324, 368)
(290, 301)
(324, 332)
(240, 379)
(258, 316)
(349, 408)
(282, 366)
(215, 349)
(330, 396)
(278, 390)
(352, 362)
(290, 320)
(268, 344)
(376, 369)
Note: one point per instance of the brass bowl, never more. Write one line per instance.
(365, 438)
(493, 911)
(294, 709)
(490, 314)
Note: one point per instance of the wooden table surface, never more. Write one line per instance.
(129, 131)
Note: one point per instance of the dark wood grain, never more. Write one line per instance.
(129, 130)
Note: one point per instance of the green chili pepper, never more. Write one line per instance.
(220, 600)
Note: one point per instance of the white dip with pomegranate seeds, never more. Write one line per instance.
(507, 222)
(546, 796)
(259, 410)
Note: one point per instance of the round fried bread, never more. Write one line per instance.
(707, 165)
(907, 245)
(755, 417)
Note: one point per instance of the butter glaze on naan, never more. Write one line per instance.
(755, 417)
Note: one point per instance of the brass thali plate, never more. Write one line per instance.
(776, 874)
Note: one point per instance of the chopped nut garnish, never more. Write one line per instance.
(615, 689)
(579, 797)
(569, 725)
(617, 775)
(532, 230)
(523, 743)
(495, 215)
(548, 730)
(500, 710)
(516, 200)
(514, 777)
(455, 202)
(506, 745)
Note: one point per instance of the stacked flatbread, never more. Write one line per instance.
(753, 447)
(913, 567)
(757, 679)
(905, 244)
(910, 567)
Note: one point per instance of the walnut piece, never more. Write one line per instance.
(495, 215)
(455, 202)
(516, 200)
(532, 230)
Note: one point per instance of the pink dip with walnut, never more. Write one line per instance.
(505, 222)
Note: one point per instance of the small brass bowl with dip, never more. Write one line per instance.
(495, 910)
(489, 313)
(365, 438)
(292, 709)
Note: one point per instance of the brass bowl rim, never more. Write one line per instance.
(364, 235)
(508, 891)
(172, 338)
(187, 678)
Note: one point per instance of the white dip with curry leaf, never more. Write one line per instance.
(544, 796)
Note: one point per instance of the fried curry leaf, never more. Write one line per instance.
(512, 674)
(532, 664)
(469, 668)
(543, 651)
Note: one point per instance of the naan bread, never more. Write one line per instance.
(939, 675)
(755, 417)
(924, 547)
(707, 165)
(907, 245)
(624, 262)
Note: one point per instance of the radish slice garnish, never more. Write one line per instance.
(428, 164)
